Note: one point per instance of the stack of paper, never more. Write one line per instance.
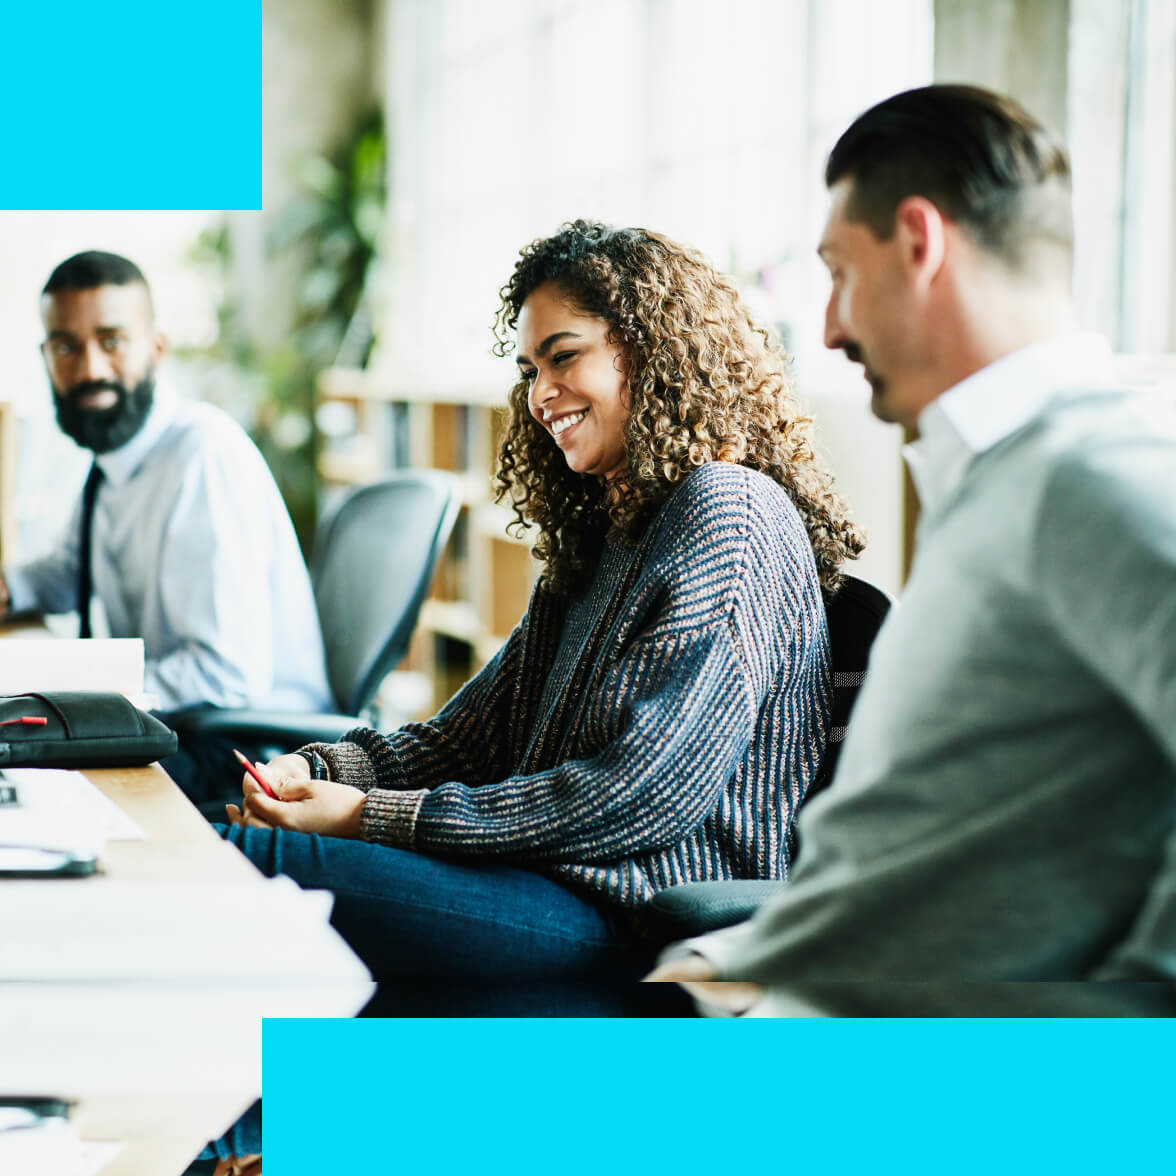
(202, 932)
(116, 988)
(57, 663)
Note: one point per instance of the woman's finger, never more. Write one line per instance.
(293, 788)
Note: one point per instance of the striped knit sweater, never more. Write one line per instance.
(681, 739)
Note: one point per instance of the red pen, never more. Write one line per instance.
(26, 721)
(255, 774)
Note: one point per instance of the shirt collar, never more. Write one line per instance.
(120, 465)
(994, 403)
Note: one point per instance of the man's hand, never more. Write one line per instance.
(697, 975)
(303, 805)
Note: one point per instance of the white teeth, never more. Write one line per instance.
(566, 422)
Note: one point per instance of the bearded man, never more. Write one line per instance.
(180, 531)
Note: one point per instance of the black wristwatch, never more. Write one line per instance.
(318, 765)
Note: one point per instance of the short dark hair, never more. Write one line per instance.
(979, 157)
(93, 268)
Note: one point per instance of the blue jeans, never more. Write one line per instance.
(413, 918)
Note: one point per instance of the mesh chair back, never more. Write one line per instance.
(372, 563)
(854, 615)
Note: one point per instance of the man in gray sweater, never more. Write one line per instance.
(1000, 830)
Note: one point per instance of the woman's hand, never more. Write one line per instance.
(291, 767)
(303, 805)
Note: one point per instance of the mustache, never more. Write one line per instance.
(86, 387)
(852, 352)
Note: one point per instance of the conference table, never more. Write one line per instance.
(142, 1008)
(163, 1132)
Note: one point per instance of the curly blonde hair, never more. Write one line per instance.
(704, 384)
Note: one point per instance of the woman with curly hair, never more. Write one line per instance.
(659, 712)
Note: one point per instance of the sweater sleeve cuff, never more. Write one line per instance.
(389, 818)
(348, 763)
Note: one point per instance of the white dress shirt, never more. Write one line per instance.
(194, 551)
(994, 403)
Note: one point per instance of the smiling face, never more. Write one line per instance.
(868, 315)
(100, 352)
(578, 381)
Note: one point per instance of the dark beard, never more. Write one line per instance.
(104, 429)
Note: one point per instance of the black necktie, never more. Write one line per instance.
(85, 584)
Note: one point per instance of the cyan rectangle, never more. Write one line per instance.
(132, 105)
(679, 1098)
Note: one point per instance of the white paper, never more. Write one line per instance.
(95, 1156)
(123, 1039)
(58, 663)
(113, 931)
(54, 1147)
(64, 804)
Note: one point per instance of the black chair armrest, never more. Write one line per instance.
(286, 730)
(681, 911)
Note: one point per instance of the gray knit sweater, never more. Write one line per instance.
(675, 744)
(1005, 805)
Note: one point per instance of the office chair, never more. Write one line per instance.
(854, 615)
(371, 566)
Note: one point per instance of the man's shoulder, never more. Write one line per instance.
(720, 489)
(733, 523)
(1105, 429)
(1122, 413)
(198, 429)
(201, 419)
(1106, 460)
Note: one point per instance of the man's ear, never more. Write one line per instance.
(922, 237)
(160, 345)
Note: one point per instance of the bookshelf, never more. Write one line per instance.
(485, 576)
